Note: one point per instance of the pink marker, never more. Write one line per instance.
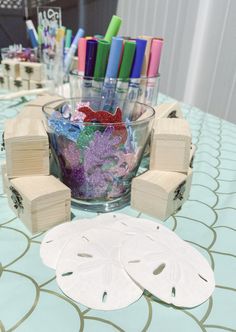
(81, 55)
(155, 57)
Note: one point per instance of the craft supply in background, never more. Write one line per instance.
(41, 202)
(93, 266)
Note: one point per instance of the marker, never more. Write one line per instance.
(124, 73)
(113, 28)
(68, 39)
(138, 58)
(143, 81)
(109, 86)
(114, 57)
(100, 69)
(155, 57)
(81, 55)
(72, 50)
(153, 68)
(30, 26)
(134, 84)
(146, 54)
(32, 33)
(90, 60)
(101, 58)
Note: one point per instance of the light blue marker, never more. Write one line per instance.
(108, 90)
(72, 50)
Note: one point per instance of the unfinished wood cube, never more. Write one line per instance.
(31, 71)
(5, 180)
(36, 85)
(41, 202)
(33, 112)
(18, 84)
(160, 194)
(4, 82)
(170, 145)
(11, 68)
(27, 147)
(168, 110)
(45, 99)
(192, 155)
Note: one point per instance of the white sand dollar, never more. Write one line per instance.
(89, 271)
(174, 272)
(56, 238)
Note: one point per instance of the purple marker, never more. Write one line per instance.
(90, 59)
(91, 51)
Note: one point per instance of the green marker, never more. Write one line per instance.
(122, 85)
(101, 58)
(127, 59)
(40, 35)
(68, 38)
(99, 72)
(113, 28)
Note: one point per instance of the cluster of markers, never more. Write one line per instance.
(120, 69)
(113, 63)
(117, 57)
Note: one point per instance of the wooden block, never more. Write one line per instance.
(170, 145)
(18, 84)
(27, 147)
(36, 84)
(170, 110)
(31, 71)
(11, 68)
(5, 180)
(45, 99)
(192, 155)
(4, 82)
(41, 202)
(33, 112)
(160, 194)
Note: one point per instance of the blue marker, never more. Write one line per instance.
(32, 33)
(72, 50)
(108, 90)
(114, 57)
(134, 85)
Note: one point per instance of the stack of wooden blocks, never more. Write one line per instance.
(163, 189)
(39, 199)
(18, 76)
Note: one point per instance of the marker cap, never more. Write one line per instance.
(138, 58)
(113, 28)
(155, 57)
(127, 59)
(81, 54)
(91, 51)
(114, 57)
(101, 58)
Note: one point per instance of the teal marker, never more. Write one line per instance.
(68, 39)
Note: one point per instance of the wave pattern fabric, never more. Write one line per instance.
(30, 299)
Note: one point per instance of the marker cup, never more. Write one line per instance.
(116, 92)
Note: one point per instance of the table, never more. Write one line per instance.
(30, 300)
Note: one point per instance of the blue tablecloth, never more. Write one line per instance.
(30, 300)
